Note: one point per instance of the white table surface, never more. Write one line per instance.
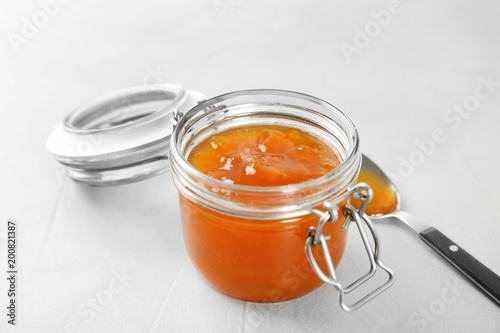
(74, 241)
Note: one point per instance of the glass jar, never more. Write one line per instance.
(254, 243)
(248, 241)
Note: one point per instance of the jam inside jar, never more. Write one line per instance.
(250, 167)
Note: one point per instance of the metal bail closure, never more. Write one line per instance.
(315, 237)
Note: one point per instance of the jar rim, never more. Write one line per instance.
(345, 164)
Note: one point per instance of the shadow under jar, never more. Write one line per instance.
(248, 241)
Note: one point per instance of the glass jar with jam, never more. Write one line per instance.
(265, 180)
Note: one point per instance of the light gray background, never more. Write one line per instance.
(397, 89)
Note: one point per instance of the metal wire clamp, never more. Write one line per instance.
(316, 238)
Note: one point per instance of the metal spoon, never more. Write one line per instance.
(482, 276)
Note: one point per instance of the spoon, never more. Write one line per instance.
(386, 204)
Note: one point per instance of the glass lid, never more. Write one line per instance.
(121, 137)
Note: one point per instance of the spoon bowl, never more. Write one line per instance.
(386, 202)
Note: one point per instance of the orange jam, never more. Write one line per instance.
(384, 199)
(256, 259)
(264, 156)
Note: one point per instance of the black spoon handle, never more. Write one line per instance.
(482, 276)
